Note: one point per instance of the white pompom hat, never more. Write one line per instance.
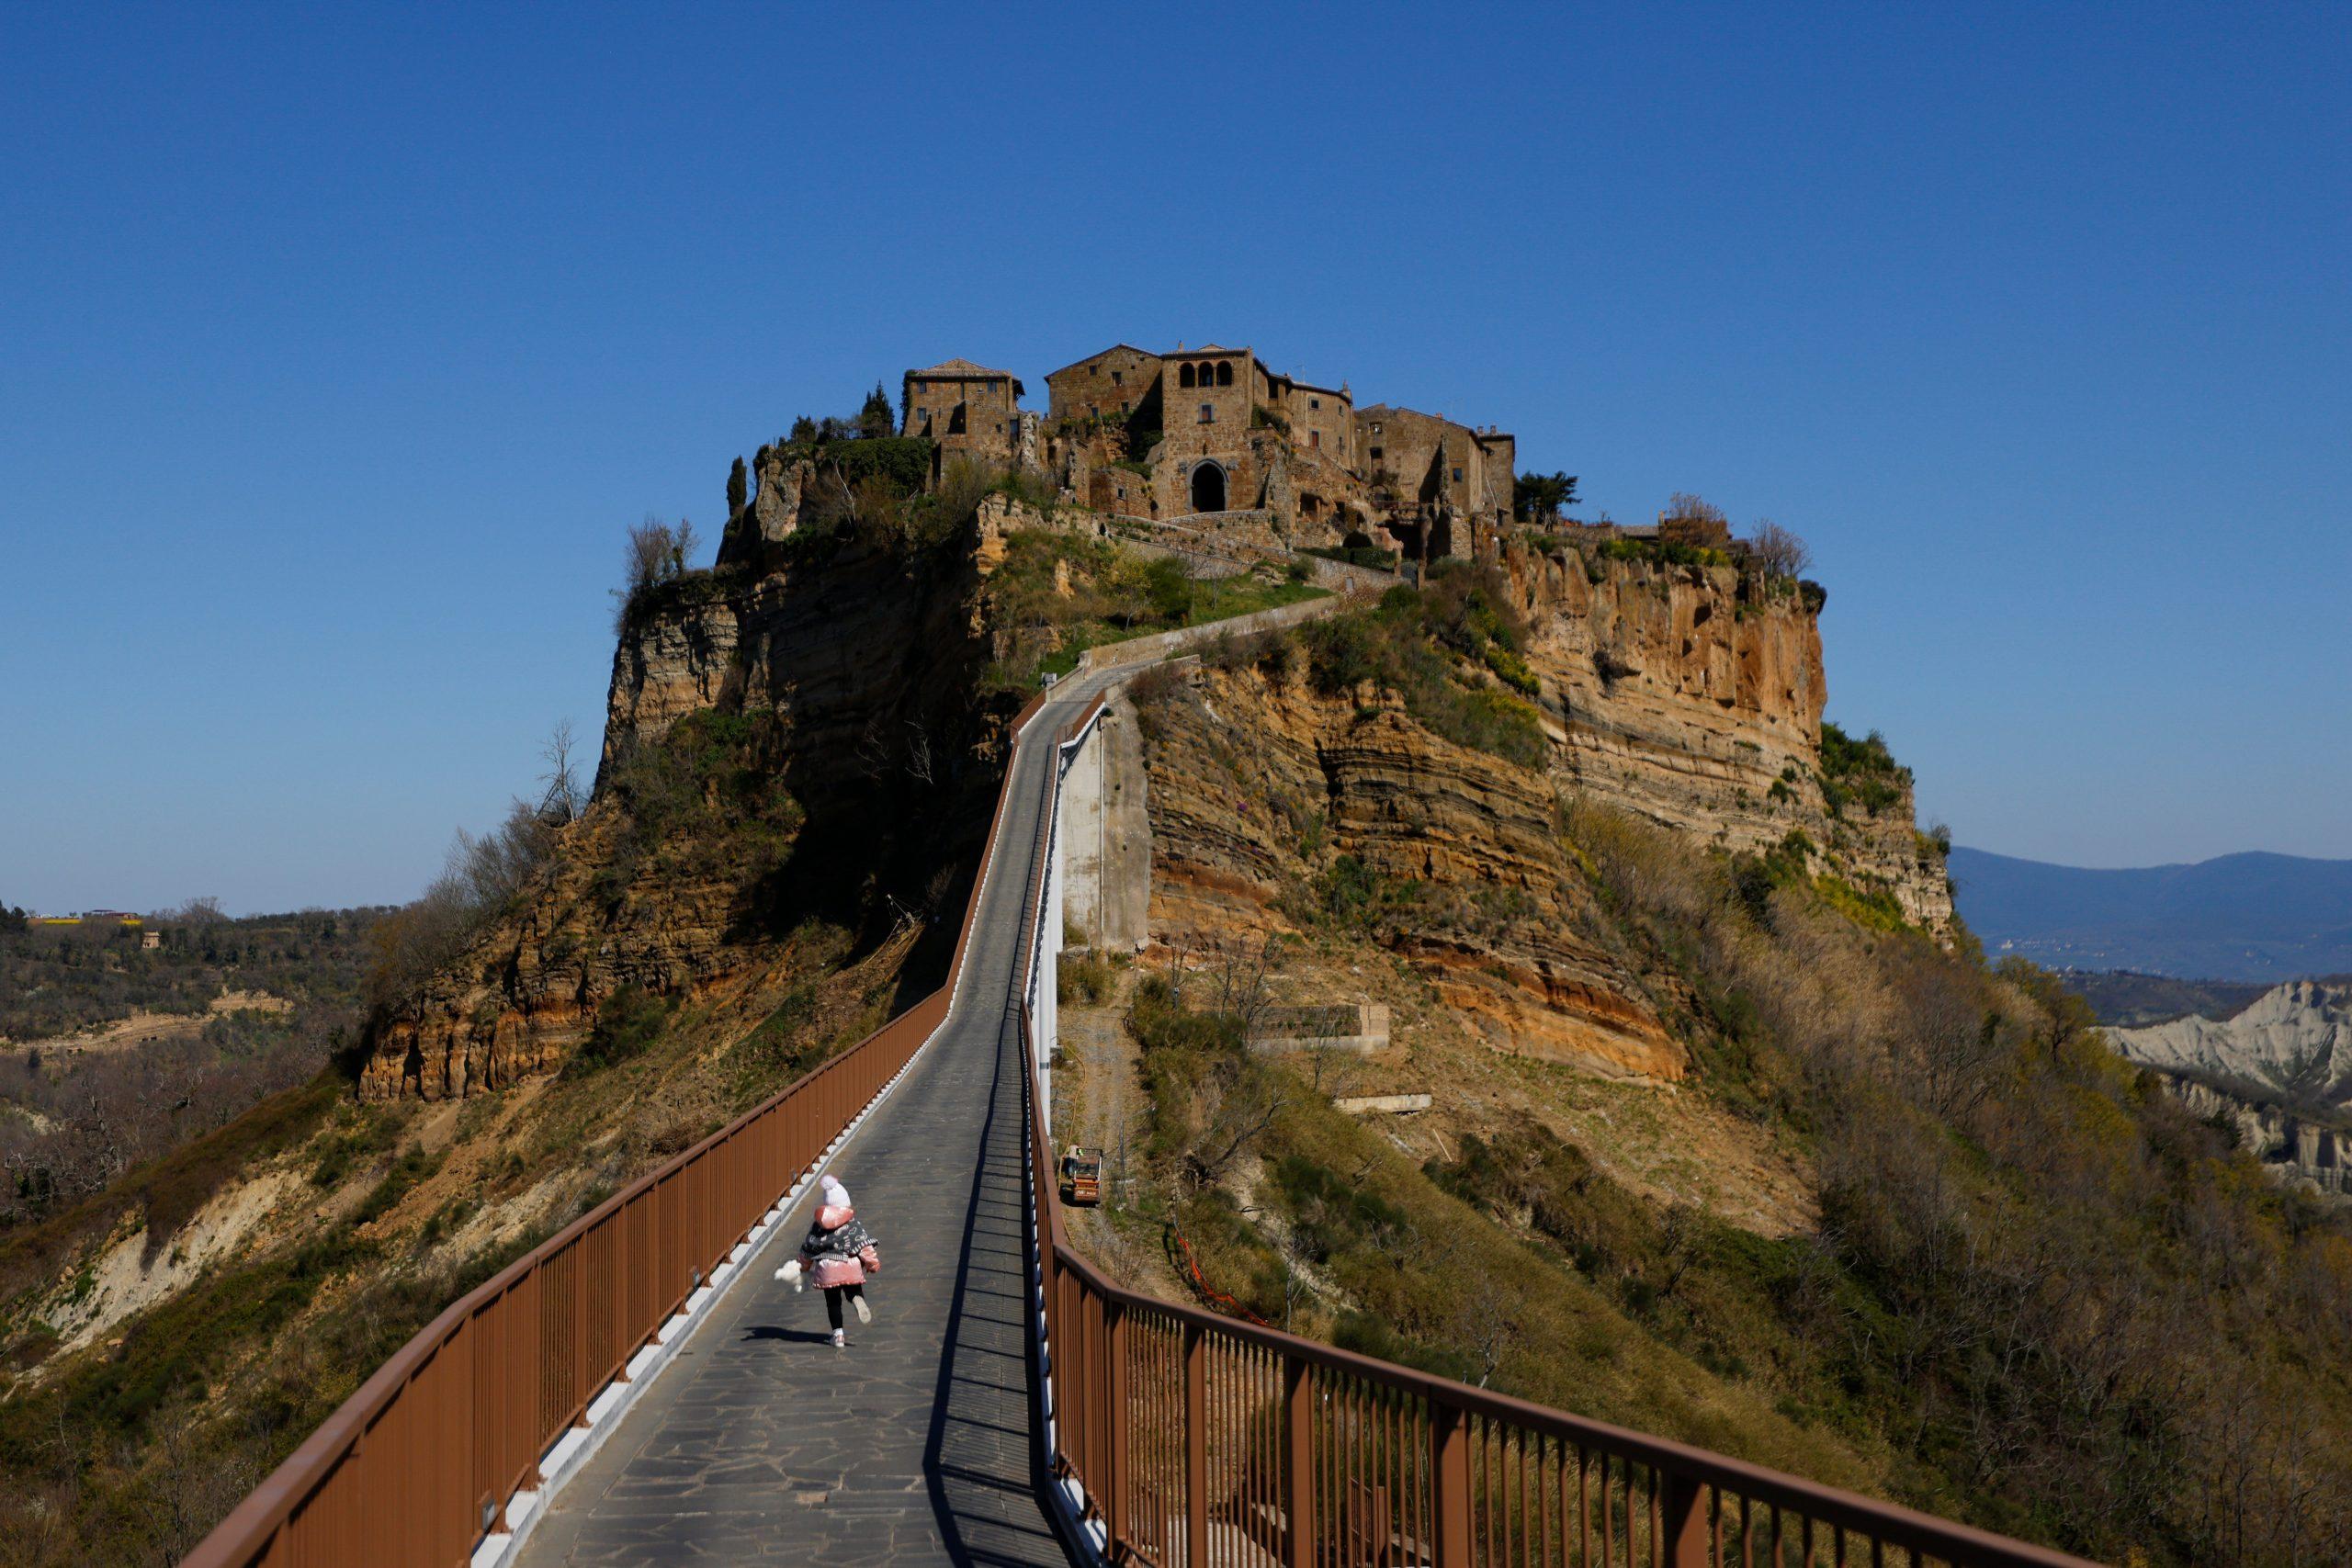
(835, 1194)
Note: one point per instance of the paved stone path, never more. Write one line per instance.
(761, 1443)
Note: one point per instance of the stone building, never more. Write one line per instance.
(964, 407)
(1214, 430)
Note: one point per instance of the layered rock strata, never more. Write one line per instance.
(1255, 788)
(1691, 697)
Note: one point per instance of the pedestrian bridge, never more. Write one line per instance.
(639, 1389)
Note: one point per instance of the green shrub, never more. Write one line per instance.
(1860, 772)
(630, 1019)
(1366, 556)
(413, 1167)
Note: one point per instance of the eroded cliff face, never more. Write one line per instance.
(1256, 788)
(844, 687)
(1691, 697)
(2294, 1149)
(1682, 695)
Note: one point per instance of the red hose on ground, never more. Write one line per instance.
(1209, 1292)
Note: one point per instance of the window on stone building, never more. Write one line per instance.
(1114, 377)
(1184, 377)
(1225, 374)
(1314, 438)
(1457, 476)
(1315, 402)
(1376, 427)
(1208, 413)
(1375, 451)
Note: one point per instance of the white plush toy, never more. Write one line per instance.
(791, 1272)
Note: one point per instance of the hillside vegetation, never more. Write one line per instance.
(2024, 1286)
(755, 886)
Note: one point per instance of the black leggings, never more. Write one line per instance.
(834, 1295)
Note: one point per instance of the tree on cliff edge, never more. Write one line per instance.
(1543, 497)
(1778, 550)
(739, 488)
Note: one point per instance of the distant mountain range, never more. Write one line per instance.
(2242, 917)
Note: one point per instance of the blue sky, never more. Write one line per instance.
(337, 347)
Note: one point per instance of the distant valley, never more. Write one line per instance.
(2253, 917)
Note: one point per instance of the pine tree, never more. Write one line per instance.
(739, 488)
(873, 419)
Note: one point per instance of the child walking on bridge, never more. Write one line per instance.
(838, 1254)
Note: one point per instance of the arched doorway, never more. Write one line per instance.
(1208, 488)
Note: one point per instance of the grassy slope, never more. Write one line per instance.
(2038, 1294)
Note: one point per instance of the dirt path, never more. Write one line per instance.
(145, 1027)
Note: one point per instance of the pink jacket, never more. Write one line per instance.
(838, 1251)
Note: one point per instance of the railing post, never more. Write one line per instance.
(1449, 1486)
(1685, 1521)
(1298, 1461)
(1115, 1504)
(1196, 1447)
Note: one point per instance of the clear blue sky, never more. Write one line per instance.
(337, 347)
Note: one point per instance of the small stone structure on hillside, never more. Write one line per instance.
(1360, 1027)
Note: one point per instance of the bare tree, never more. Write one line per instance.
(1683, 506)
(648, 555)
(1778, 551)
(919, 763)
(561, 801)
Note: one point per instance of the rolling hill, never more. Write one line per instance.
(2240, 917)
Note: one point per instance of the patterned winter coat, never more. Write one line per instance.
(838, 1251)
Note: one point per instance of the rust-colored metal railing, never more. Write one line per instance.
(419, 1465)
(1205, 1442)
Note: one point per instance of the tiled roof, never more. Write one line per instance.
(1091, 358)
(960, 370)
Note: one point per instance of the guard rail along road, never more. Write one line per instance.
(1163, 1433)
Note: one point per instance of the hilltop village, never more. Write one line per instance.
(1208, 451)
(1211, 432)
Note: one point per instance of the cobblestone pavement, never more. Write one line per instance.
(761, 1443)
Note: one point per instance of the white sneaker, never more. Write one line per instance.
(841, 1340)
(864, 1313)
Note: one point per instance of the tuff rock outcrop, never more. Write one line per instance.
(860, 666)
(1254, 787)
(1688, 696)
(1691, 697)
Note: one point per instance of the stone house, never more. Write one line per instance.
(962, 407)
(1212, 430)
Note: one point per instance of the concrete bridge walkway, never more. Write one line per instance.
(917, 1444)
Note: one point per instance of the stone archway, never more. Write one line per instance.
(1208, 488)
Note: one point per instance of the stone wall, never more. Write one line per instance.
(1320, 420)
(976, 415)
(1110, 383)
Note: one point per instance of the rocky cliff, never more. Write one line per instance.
(2279, 1072)
(1687, 696)
(1691, 697)
(2294, 1041)
(1258, 790)
(2292, 1148)
(835, 688)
